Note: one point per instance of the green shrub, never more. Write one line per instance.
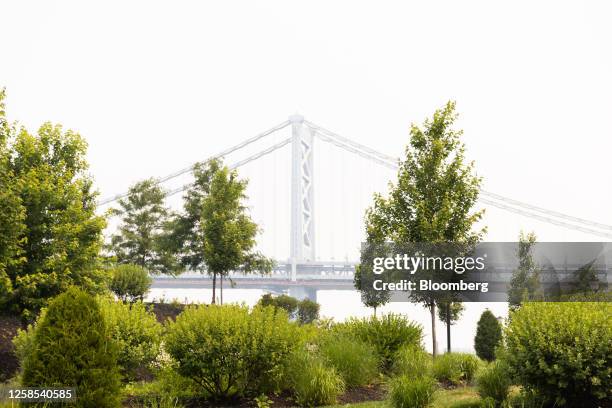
(230, 351)
(71, 346)
(411, 392)
(355, 360)
(130, 282)
(387, 333)
(455, 368)
(313, 382)
(488, 336)
(494, 382)
(287, 303)
(412, 361)
(136, 332)
(562, 351)
(308, 311)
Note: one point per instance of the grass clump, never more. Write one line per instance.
(387, 334)
(455, 368)
(313, 382)
(493, 382)
(355, 361)
(412, 361)
(411, 392)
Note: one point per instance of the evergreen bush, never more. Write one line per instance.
(72, 347)
(488, 336)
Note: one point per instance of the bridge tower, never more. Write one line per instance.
(302, 243)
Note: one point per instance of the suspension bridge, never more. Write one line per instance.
(302, 265)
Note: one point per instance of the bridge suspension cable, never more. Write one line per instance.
(496, 200)
(216, 156)
(238, 164)
(489, 198)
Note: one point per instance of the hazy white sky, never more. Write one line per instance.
(154, 86)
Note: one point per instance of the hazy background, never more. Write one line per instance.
(155, 86)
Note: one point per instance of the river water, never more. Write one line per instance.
(341, 304)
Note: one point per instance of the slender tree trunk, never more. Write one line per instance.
(434, 339)
(214, 288)
(221, 287)
(448, 328)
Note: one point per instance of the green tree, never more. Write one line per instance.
(143, 216)
(12, 212)
(587, 280)
(308, 311)
(488, 336)
(53, 235)
(433, 198)
(130, 282)
(363, 281)
(215, 233)
(288, 303)
(525, 281)
(449, 312)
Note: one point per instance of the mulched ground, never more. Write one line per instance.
(165, 311)
(284, 400)
(8, 361)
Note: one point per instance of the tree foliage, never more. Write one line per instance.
(433, 197)
(130, 282)
(308, 311)
(215, 233)
(525, 281)
(488, 336)
(363, 281)
(50, 234)
(139, 240)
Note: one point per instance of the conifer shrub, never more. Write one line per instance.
(231, 352)
(71, 347)
(488, 336)
(561, 351)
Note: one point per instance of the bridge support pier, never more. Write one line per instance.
(302, 244)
